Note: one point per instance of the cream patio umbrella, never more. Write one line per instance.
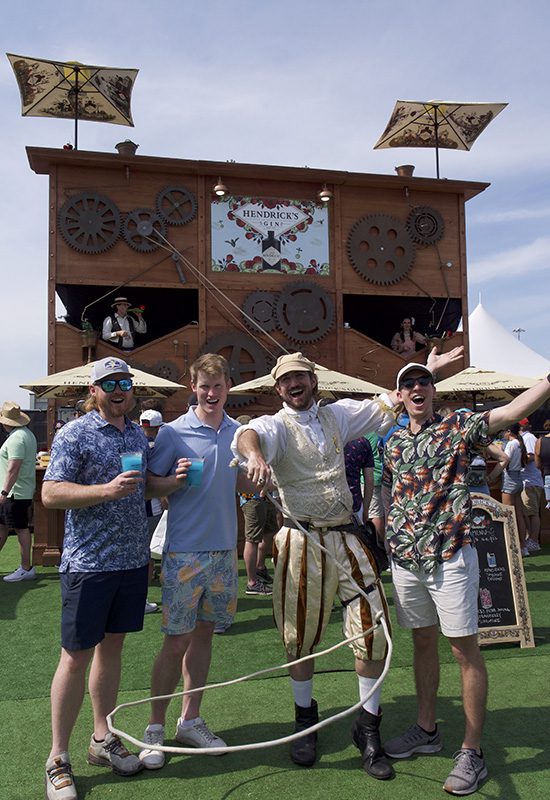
(331, 383)
(72, 383)
(70, 90)
(483, 384)
(437, 123)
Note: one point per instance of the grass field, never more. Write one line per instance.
(515, 740)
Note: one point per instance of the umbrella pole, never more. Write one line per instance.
(76, 109)
(436, 126)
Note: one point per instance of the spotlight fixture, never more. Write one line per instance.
(220, 189)
(324, 194)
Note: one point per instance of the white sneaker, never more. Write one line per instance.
(153, 759)
(198, 735)
(150, 608)
(21, 574)
(59, 778)
(532, 546)
(110, 752)
(524, 553)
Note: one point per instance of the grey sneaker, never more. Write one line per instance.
(259, 588)
(468, 772)
(59, 779)
(263, 575)
(198, 735)
(112, 753)
(414, 740)
(153, 759)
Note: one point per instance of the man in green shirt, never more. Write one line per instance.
(17, 485)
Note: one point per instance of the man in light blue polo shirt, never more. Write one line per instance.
(199, 563)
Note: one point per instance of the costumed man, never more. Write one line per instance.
(303, 447)
(120, 327)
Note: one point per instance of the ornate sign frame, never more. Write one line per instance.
(511, 570)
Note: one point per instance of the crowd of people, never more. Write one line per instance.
(113, 477)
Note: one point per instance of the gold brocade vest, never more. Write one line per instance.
(313, 485)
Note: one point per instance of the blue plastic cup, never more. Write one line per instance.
(131, 461)
(194, 473)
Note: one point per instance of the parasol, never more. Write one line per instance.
(74, 382)
(71, 90)
(330, 383)
(484, 384)
(437, 123)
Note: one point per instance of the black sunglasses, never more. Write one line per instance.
(109, 385)
(409, 383)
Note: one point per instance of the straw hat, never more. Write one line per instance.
(12, 415)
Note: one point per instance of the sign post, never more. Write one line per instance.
(504, 614)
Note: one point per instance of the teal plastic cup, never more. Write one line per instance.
(131, 461)
(194, 473)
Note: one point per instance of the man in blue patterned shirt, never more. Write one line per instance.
(103, 567)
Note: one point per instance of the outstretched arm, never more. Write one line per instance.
(521, 406)
(436, 361)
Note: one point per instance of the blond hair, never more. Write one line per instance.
(212, 364)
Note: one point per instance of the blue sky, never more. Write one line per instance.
(308, 83)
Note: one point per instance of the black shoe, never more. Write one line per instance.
(366, 737)
(303, 751)
(263, 575)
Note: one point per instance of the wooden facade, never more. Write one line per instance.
(187, 304)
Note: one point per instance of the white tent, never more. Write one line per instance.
(493, 347)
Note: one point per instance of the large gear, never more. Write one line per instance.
(176, 205)
(246, 361)
(260, 307)
(167, 370)
(305, 312)
(140, 227)
(380, 249)
(425, 225)
(89, 222)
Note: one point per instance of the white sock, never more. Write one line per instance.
(187, 723)
(372, 704)
(303, 692)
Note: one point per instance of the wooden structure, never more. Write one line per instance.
(149, 228)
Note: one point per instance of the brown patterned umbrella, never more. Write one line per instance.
(71, 90)
(437, 123)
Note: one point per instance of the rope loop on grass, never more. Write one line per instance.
(379, 622)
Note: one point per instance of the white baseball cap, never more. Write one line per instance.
(151, 418)
(411, 368)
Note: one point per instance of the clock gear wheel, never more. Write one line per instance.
(260, 307)
(247, 360)
(140, 226)
(166, 369)
(305, 312)
(425, 225)
(176, 205)
(380, 249)
(89, 222)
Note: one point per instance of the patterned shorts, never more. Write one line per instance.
(198, 586)
(307, 581)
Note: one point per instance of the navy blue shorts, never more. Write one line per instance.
(96, 603)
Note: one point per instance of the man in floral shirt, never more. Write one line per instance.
(434, 563)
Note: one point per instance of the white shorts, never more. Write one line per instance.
(448, 595)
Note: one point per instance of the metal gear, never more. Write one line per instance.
(425, 225)
(176, 205)
(260, 306)
(140, 226)
(305, 312)
(246, 359)
(380, 249)
(166, 369)
(89, 222)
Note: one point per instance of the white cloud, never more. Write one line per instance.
(513, 215)
(525, 260)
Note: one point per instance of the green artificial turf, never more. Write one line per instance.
(261, 709)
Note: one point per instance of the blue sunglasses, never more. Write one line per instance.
(109, 385)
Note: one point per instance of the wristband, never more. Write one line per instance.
(4, 493)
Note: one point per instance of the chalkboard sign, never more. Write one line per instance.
(503, 605)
